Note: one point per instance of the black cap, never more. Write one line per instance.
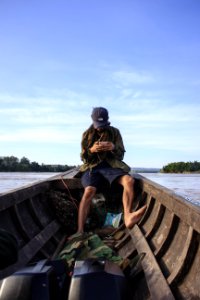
(100, 117)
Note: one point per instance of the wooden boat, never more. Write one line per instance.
(168, 234)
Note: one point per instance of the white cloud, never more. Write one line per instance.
(57, 118)
(172, 115)
(65, 110)
(162, 141)
(42, 135)
(126, 78)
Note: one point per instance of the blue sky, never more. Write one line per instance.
(139, 59)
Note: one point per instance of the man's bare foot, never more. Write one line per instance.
(132, 218)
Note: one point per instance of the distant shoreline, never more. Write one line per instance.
(145, 170)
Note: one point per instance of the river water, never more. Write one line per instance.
(186, 185)
(14, 180)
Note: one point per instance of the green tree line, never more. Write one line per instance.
(13, 164)
(182, 167)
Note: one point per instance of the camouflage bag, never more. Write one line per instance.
(87, 246)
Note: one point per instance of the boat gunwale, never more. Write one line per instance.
(30, 190)
(183, 209)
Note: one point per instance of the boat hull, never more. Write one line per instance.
(168, 233)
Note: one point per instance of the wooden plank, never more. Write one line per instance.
(157, 284)
(150, 208)
(181, 260)
(168, 235)
(128, 250)
(19, 224)
(14, 197)
(31, 248)
(68, 174)
(33, 212)
(122, 241)
(185, 210)
(158, 215)
(67, 183)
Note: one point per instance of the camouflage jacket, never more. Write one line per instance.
(114, 158)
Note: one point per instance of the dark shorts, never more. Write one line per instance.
(99, 174)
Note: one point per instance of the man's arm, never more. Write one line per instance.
(119, 150)
(115, 149)
(86, 154)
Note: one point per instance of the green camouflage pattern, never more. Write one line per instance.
(88, 245)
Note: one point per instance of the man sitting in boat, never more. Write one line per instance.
(102, 154)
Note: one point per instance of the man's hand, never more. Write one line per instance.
(102, 146)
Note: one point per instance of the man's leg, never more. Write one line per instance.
(130, 217)
(84, 206)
